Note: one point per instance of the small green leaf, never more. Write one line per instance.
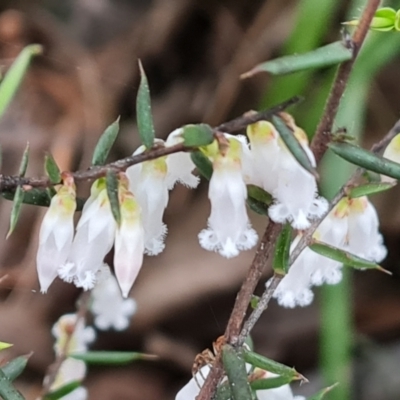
(331, 54)
(257, 360)
(370, 188)
(62, 391)
(280, 262)
(257, 206)
(363, 158)
(259, 194)
(24, 162)
(7, 390)
(293, 145)
(235, 368)
(111, 357)
(15, 74)
(112, 183)
(202, 163)
(397, 21)
(4, 345)
(270, 383)
(52, 170)
(197, 135)
(16, 209)
(321, 394)
(15, 367)
(343, 257)
(254, 301)
(143, 111)
(223, 392)
(105, 143)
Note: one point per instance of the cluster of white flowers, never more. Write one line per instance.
(71, 369)
(351, 226)
(192, 388)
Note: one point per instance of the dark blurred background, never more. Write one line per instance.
(193, 52)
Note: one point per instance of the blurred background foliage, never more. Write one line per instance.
(193, 52)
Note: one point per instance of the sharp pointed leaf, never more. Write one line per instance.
(143, 111)
(7, 390)
(202, 163)
(4, 345)
(112, 183)
(280, 263)
(257, 206)
(24, 162)
(270, 383)
(16, 209)
(259, 194)
(343, 257)
(293, 145)
(15, 367)
(363, 158)
(15, 74)
(105, 143)
(370, 188)
(331, 54)
(235, 368)
(111, 357)
(62, 391)
(197, 135)
(321, 394)
(52, 170)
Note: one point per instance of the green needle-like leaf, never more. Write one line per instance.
(112, 183)
(16, 209)
(270, 383)
(52, 170)
(363, 158)
(111, 357)
(143, 111)
(15, 74)
(293, 145)
(105, 143)
(370, 188)
(15, 367)
(7, 390)
(344, 257)
(62, 391)
(280, 263)
(202, 163)
(235, 368)
(321, 394)
(197, 135)
(331, 54)
(24, 162)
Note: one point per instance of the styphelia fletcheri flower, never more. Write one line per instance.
(352, 226)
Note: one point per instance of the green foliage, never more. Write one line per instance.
(111, 357)
(197, 135)
(24, 162)
(202, 163)
(112, 183)
(280, 263)
(7, 390)
(15, 367)
(270, 383)
(51, 168)
(321, 394)
(62, 391)
(369, 189)
(105, 143)
(16, 209)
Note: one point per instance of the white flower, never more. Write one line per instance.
(148, 182)
(180, 165)
(192, 389)
(81, 335)
(392, 152)
(56, 233)
(279, 173)
(71, 370)
(108, 306)
(229, 229)
(94, 238)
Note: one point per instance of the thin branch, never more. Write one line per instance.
(323, 133)
(10, 183)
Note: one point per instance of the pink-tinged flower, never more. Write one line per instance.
(148, 183)
(94, 238)
(180, 165)
(129, 241)
(229, 229)
(392, 152)
(110, 309)
(278, 172)
(56, 234)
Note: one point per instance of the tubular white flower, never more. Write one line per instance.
(129, 241)
(180, 165)
(94, 238)
(229, 229)
(56, 234)
(147, 181)
(278, 172)
(392, 152)
(108, 306)
(80, 338)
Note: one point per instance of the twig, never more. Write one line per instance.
(10, 183)
(323, 133)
